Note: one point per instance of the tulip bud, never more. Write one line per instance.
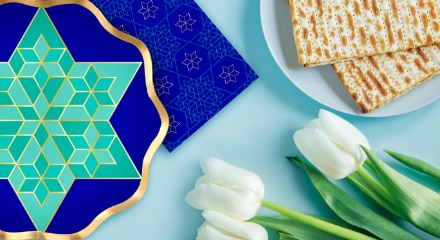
(331, 144)
(227, 189)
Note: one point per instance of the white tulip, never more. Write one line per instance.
(221, 227)
(227, 189)
(332, 145)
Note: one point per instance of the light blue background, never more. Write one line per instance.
(255, 132)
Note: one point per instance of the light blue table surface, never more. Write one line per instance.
(255, 132)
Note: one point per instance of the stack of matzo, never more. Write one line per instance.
(380, 49)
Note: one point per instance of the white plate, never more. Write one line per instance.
(321, 83)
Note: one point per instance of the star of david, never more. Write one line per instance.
(192, 61)
(185, 23)
(229, 74)
(55, 120)
(163, 86)
(148, 9)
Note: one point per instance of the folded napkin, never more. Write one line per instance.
(197, 71)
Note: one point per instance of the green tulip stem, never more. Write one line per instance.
(374, 189)
(374, 183)
(314, 222)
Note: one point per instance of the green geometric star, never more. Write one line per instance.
(55, 120)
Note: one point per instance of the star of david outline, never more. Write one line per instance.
(229, 74)
(163, 86)
(148, 9)
(185, 23)
(192, 61)
(33, 74)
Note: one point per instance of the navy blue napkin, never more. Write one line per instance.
(197, 71)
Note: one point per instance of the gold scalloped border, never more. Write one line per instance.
(154, 146)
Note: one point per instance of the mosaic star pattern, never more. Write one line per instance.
(203, 70)
(54, 120)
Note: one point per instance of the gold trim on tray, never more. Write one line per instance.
(151, 149)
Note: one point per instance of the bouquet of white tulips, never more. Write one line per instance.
(230, 197)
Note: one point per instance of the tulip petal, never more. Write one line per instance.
(315, 123)
(235, 228)
(209, 196)
(208, 232)
(315, 145)
(344, 133)
(233, 177)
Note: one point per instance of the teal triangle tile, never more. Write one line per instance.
(184, 44)
(41, 214)
(42, 27)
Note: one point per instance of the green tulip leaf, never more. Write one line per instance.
(290, 229)
(374, 189)
(416, 164)
(353, 212)
(284, 236)
(420, 204)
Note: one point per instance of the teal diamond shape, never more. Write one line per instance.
(41, 192)
(29, 69)
(5, 83)
(29, 185)
(66, 62)
(104, 84)
(54, 113)
(5, 141)
(41, 135)
(79, 98)
(16, 178)
(79, 84)
(5, 99)
(29, 127)
(54, 186)
(54, 55)
(104, 142)
(6, 72)
(17, 146)
(41, 165)
(53, 171)
(29, 55)
(29, 113)
(52, 87)
(91, 105)
(91, 77)
(30, 88)
(18, 94)
(6, 170)
(16, 62)
(10, 127)
(41, 48)
(29, 171)
(64, 95)
(41, 76)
